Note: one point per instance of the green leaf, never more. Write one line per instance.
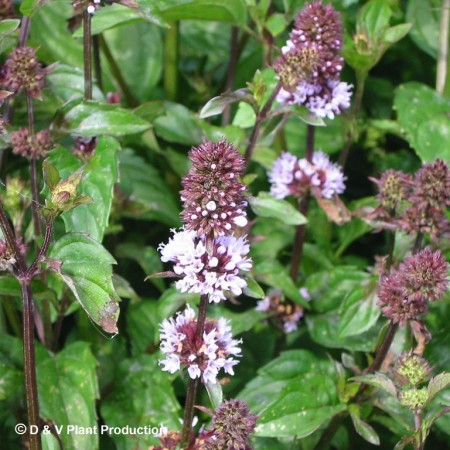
(360, 311)
(87, 271)
(378, 380)
(143, 322)
(142, 67)
(423, 116)
(90, 118)
(147, 257)
(177, 125)
(148, 196)
(363, 428)
(68, 82)
(231, 11)
(51, 174)
(303, 405)
(215, 393)
(11, 366)
(267, 206)
(437, 384)
(305, 115)
(59, 45)
(424, 15)
(100, 175)
(274, 274)
(67, 385)
(141, 395)
(253, 289)
(395, 33)
(374, 18)
(217, 104)
(266, 388)
(8, 26)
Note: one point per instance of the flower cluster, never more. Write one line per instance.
(412, 370)
(31, 147)
(212, 195)
(7, 257)
(207, 268)
(6, 9)
(203, 356)
(293, 176)
(310, 64)
(285, 315)
(231, 427)
(90, 5)
(404, 293)
(415, 204)
(22, 71)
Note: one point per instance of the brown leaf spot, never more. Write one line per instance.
(108, 317)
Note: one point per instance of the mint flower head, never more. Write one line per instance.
(310, 63)
(203, 357)
(212, 195)
(31, 147)
(405, 292)
(22, 71)
(231, 427)
(207, 268)
(293, 176)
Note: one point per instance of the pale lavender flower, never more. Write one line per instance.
(292, 176)
(305, 293)
(207, 268)
(204, 357)
(291, 322)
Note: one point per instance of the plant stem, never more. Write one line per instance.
(418, 442)
(360, 83)
(300, 233)
(28, 331)
(24, 30)
(171, 61)
(30, 363)
(418, 243)
(87, 45)
(33, 172)
(193, 383)
(259, 120)
(115, 70)
(31, 272)
(97, 62)
(231, 72)
(443, 54)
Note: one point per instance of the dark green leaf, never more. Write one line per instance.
(267, 206)
(147, 195)
(67, 385)
(143, 322)
(11, 366)
(87, 272)
(142, 395)
(363, 428)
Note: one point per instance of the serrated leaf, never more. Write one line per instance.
(437, 384)
(87, 271)
(378, 380)
(267, 206)
(363, 428)
(215, 393)
(67, 383)
(217, 104)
